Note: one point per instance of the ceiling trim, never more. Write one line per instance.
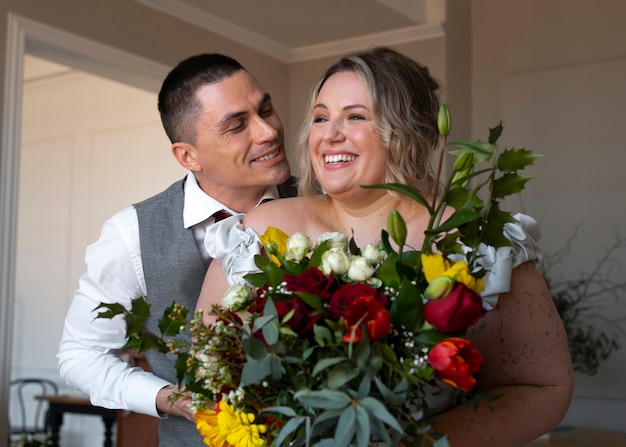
(282, 52)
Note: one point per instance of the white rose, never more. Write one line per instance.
(298, 245)
(237, 296)
(360, 269)
(337, 240)
(373, 254)
(335, 261)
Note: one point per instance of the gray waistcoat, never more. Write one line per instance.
(174, 271)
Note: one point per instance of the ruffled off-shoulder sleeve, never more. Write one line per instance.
(234, 247)
(500, 263)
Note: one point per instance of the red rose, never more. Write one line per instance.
(455, 360)
(344, 295)
(369, 312)
(455, 312)
(313, 281)
(302, 321)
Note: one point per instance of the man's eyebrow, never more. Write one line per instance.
(234, 115)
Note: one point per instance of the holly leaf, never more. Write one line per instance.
(512, 160)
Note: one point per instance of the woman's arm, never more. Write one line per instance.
(213, 289)
(526, 361)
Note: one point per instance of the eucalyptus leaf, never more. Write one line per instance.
(290, 427)
(376, 409)
(345, 428)
(363, 430)
(340, 375)
(325, 399)
(326, 363)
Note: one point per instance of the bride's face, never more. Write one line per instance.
(344, 144)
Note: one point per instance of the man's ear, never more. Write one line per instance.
(186, 155)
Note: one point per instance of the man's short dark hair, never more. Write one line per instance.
(178, 105)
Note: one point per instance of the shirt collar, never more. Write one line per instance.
(199, 206)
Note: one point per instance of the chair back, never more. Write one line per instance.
(28, 418)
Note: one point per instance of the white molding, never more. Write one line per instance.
(404, 35)
(91, 56)
(284, 53)
(9, 172)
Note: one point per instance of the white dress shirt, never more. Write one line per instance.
(87, 352)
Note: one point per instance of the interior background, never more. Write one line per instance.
(89, 141)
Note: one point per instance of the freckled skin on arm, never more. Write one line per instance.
(526, 360)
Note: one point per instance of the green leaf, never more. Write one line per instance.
(173, 318)
(395, 397)
(345, 428)
(405, 190)
(377, 410)
(325, 399)
(512, 160)
(290, 427)
(340, 375)
(326, 363)
(494, 133)
(481, 151)
(316, 256)
(254, 371)
(407, 310)
(509, 184)
(254, 348)
(363, 430)
(113, 309)
(255, 279)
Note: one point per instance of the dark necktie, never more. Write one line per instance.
(221, 215)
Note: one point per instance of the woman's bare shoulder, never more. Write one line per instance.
(289, 214)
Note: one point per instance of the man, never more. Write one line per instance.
(225, 131)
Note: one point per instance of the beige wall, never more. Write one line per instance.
(553, 72)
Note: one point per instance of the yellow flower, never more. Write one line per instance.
(275, 241)
(207, 425)
(435, 265)
(228, 427)
(239, 428)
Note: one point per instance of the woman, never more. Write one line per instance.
(373, 119)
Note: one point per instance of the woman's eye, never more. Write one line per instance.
(356, 117)
(319, 119)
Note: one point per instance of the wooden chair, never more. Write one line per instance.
(28, 418)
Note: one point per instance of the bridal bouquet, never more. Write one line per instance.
(331, 344)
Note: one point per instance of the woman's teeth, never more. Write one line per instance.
(340, 158)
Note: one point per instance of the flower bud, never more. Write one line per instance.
(463, 161)
(396, 227)
(443, 120)
(298, 245)
(439, 287)
(360, 269)
(337, 240)
(335, 261)
(237, 296)
(373, 254)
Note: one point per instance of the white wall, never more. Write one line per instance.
(90, 147)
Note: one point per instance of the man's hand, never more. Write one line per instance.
(179, 407)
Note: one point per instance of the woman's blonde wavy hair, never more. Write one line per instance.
(404, 103)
